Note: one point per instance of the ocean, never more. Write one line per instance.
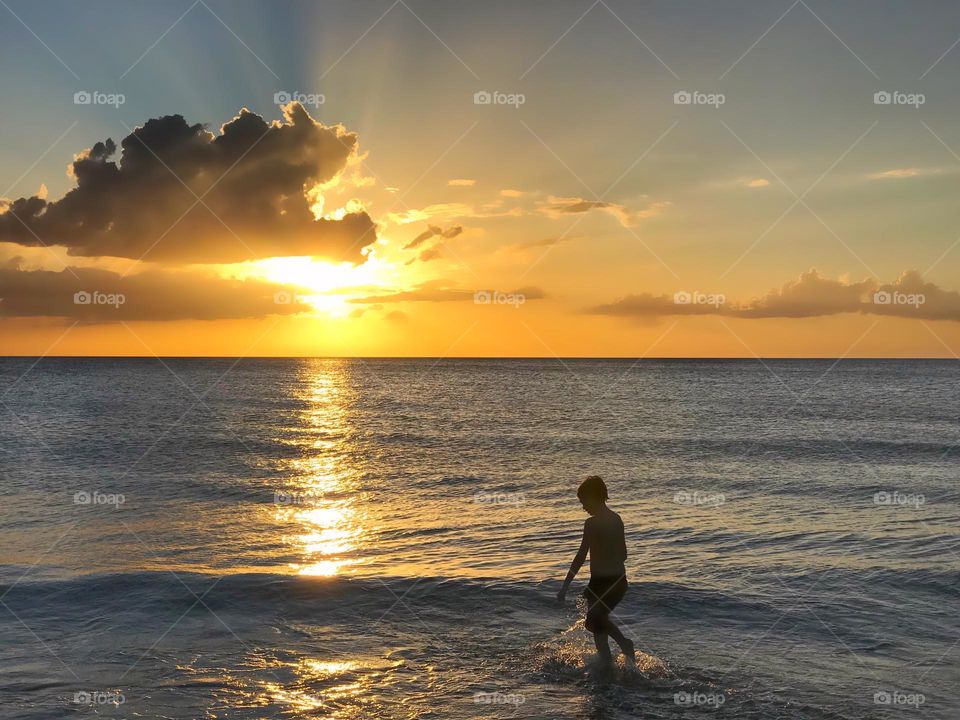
(384, 538)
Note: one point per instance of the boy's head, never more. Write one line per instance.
(592, 493)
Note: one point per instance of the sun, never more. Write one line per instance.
(326, 286)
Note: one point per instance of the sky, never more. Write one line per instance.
(447, 179)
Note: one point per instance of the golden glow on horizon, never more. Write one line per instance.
(325, 285)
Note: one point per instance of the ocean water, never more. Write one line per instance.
(384, 538)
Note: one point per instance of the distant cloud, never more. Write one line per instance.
(94, 295)
(426, 292)
(810, 295)
(538, 247)
(559, 206)
(439, 291)
(512, 193)
(462, 182)
(254, 178)
(543, 242)
(908, 172)
(757, 183)
(437, 211)
(431, 253)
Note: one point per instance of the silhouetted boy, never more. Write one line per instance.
(603, 539)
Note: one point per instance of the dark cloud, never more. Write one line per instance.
(94, 295)
(810, 295)
(252, 177)
(433, 231)
(436, 251)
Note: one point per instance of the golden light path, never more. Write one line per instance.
(326, 524)
(326, 529)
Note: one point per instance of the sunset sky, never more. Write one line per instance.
(325, 178)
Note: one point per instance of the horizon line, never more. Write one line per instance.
(480, 357)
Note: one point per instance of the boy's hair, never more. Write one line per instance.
(593, 487)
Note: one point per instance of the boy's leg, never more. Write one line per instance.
(596, 622)
(625, 644)
(603, 647)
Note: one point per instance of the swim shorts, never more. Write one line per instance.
(603, 594)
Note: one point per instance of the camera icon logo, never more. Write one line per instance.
(82, 498)
(482, 297)
(682, 298)
(482, 97)
(882, 97)
(882, 297)
(682, 97)
(82, 97)
(882, 698)
(282, 97)
(82, 298)
(282, 297)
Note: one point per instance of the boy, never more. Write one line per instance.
(603, 539)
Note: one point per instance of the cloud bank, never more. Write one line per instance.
(94, 295)
(810, 295)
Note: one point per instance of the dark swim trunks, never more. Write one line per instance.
(603, 594)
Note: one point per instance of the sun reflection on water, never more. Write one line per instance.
(324, 518)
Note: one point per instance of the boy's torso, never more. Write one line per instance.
(607, 545)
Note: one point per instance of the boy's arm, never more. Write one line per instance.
(576, 564)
